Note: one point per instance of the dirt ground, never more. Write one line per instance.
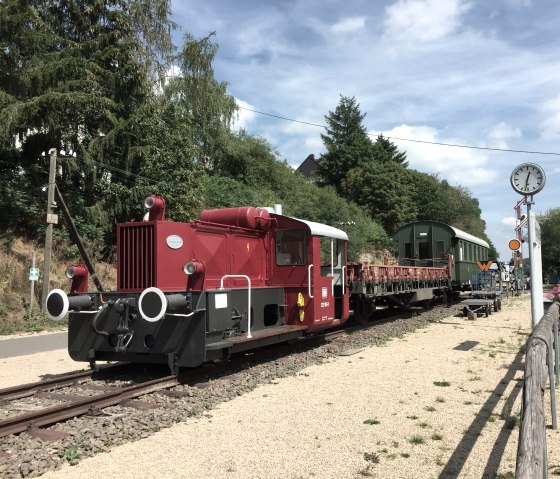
(441, 402)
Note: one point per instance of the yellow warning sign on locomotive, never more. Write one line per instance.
(301, 304)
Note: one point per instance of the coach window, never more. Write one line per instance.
(460, 251)
(291, 247)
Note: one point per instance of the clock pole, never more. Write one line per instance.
(534, 239)
(534, 181)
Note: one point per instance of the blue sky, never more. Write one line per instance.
(480, 73)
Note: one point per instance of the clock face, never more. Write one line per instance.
(528, 179)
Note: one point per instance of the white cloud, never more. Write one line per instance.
(550, 127)
(349, 24)
(519, 3)
(462, 166)
(509, 221)
(410, 21)
(244, 117)
(498, 135)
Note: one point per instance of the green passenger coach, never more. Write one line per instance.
(428, 243)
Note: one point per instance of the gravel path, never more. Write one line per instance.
(439, 402)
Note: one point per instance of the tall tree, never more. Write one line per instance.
(203, 100)
(73, 74)
(550, 237)
(385, 191)
(346, 142)
(386, 151)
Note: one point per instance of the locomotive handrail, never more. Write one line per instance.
(343, 279)
(309, 281)
(332, 266)
(248, 299)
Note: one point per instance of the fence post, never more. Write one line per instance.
(531, 451)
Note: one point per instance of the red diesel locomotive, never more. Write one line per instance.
(233, 280)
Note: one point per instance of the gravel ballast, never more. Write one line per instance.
(439, 402)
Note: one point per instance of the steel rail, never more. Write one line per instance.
(61, 381)
(29, 389)
(61, 412)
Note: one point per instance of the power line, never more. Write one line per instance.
(453, 145)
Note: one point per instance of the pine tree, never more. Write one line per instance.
(73, 75)
(386, 150)
(346, 142)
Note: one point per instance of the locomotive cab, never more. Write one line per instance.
(310, 261)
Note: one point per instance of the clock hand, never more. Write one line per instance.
(527, 181)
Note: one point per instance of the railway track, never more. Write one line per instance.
(204, 388)
(73, 405)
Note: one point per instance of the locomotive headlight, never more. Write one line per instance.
(193, 267)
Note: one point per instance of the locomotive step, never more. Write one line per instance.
(262, 337)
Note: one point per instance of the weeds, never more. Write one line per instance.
(366, 471)
(372, 421)
(436, 437)
(371, 457)
(416, 439)
(71, 454)
(430, 408)
(555, 470)
(505, 475)
(443, 384)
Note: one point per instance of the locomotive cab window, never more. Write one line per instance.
(291, 248)
(329, 252)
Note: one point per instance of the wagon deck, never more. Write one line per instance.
(481, 302)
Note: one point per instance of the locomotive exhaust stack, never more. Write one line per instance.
(156, 207)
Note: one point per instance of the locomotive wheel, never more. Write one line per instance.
(486, 311)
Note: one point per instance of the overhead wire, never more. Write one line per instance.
(453, 145)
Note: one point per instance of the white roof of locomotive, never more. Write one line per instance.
(319, 229)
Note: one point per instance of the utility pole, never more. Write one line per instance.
(32, 292)
(52, 219)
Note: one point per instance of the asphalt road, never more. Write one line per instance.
(25, 345)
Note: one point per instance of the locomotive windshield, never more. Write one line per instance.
(291, 247)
